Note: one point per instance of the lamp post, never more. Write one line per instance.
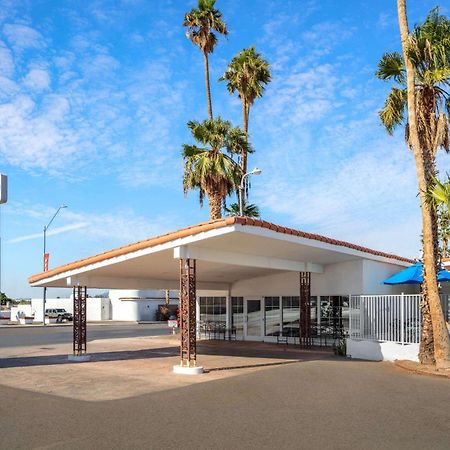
(255, 171)
(45, 261)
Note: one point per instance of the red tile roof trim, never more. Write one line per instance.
(202, 227)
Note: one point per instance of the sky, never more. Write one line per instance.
(95, 97)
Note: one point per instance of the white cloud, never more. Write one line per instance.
(115, 227)
(6, 61)
(52, 232)
(37, 80)
(366, 198)
(23, 37)
(36, 139)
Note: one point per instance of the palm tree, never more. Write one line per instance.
(424, 56)
(249, 210)
(439, 197)
(211, 168)
(201, 22)
(247, 73)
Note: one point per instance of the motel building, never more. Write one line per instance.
(251, 280)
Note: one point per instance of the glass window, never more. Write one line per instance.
(213, 309)
(237, 316)
(291, 316)
(272, 316)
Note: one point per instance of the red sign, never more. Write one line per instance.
(46, 257)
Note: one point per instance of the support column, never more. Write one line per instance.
(305, 309)
(79, 321)
(188, 347)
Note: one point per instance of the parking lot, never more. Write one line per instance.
(254, 395)
(11, 336)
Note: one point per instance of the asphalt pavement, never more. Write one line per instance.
(63, 334)
(314, 405)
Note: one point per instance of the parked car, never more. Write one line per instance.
(59, 314)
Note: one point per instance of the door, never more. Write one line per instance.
(253, 320)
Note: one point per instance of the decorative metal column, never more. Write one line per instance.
(305, 309)
(79, 320)
(188, 351)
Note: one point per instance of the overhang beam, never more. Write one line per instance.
(243, 259)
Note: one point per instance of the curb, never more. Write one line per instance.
(415, 368)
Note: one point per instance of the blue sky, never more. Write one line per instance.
(95, 96)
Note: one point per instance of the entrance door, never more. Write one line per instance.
(253, 320)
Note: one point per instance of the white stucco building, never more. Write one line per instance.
(246, 277)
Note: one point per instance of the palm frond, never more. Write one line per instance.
(393, 112)
(391, 66)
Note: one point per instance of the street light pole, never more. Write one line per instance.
(255, 171)
(45, 260)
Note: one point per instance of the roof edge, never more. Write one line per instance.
(199, 228)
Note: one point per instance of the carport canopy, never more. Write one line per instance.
(226, 251)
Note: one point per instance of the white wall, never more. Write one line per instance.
(375, 273)
(96, 308)
(137, 305)
(350, 277)
(15, 310)
(338, 279)
(36, 305)
(381, 351)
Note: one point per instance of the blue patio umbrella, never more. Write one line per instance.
(413, 275)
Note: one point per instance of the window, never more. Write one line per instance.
(237, 316)
(213, 309)
(291, 316)
(272, 316)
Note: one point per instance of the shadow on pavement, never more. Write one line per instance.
(28, 361)
(261, 350)
(252, 350)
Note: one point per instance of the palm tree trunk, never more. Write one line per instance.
(440, 333)
(208, 89)
(215, 205)
(245, 111)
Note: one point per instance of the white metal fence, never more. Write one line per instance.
(394, 318)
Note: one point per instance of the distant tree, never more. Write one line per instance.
(249, 210)
(210, 168)
(4, 299)
(201, 23)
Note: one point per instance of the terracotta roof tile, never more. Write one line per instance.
(201, 227)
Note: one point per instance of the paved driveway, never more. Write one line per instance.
(311, 402)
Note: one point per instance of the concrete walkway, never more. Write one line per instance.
(121, 368)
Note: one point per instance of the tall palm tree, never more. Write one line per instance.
(201, 22)
(211, 168)
(247, 73)
(417, 74)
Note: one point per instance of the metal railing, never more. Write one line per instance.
(393, 318)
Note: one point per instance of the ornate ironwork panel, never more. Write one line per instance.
(305, 309)
(188, 349)
(79, 320)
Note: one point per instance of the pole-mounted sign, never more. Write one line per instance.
(3, 189)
